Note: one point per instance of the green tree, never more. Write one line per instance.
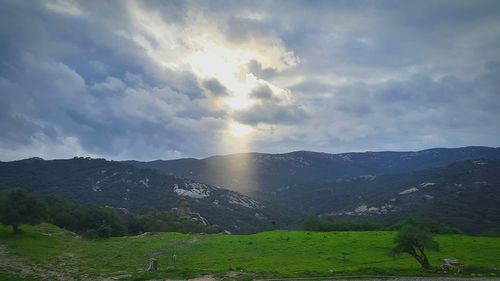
(62, 213)
(414, 241)
(18, 206)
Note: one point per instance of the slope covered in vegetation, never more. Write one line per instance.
(46, 250)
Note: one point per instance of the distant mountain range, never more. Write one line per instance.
(336, 185)
(457, 186)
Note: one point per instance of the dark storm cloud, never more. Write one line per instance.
(263, 93)
(215, 87)
(271, 108)
(256, 68)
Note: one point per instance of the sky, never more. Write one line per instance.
(171, 79)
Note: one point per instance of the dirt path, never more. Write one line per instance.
(65, 271)
(178, 244)
(18, 266)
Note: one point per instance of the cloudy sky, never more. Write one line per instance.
(169, 79)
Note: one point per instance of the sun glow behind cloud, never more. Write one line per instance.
(226, 65)
(239, 130)
(201, 47)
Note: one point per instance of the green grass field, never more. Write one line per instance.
(46, 249)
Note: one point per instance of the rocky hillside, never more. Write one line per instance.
(465, 195)
(263, 175)
(457, 186)
(108, 183)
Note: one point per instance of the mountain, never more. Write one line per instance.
(108, 183)
(263, 175)
(384, 186)
(465, 195)
(459, 187)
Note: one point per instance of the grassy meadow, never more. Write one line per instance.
(46, 250)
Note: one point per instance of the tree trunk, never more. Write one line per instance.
(425, 262)
(423, 259)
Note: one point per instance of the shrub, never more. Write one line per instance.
(104, 231)
(90, 234)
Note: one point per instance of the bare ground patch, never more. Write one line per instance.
(64, 271)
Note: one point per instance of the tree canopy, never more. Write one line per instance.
(415, 241)
(19, 206)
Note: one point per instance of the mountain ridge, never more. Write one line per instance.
(312, 164)
(382, 186)
(265, 153)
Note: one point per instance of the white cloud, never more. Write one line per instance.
(67, 7)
